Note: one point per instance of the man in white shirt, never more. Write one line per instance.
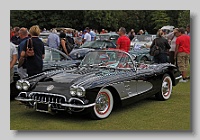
(87, 36)
(13, 60)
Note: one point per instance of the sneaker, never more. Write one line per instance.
(188, 77)
(183, 81)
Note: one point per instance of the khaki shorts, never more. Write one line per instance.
(183, 61)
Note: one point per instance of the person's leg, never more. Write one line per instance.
(171, 57)
(181, 61)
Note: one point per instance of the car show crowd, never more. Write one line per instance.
(174, 44)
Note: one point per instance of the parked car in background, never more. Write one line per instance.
(167, 29)
(111, 36)
(140, 46)
(80, 52)
(105, 79)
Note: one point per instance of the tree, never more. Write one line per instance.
(159, 19)
(184, 18)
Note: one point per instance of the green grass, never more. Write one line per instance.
(149, 114)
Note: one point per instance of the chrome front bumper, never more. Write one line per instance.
(48, 102)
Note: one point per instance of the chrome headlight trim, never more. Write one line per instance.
(25, 85)
(73, 91)
(19, 84)
(80, 92)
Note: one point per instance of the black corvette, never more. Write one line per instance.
(103, 80)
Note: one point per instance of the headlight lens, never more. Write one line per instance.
(73, 91)
(80, 92)
(25, 85)
(19, 84)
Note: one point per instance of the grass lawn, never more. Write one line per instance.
(149, 114)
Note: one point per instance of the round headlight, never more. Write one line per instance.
(80, 92)
(72, 91)
(25, 85)
(19, 84)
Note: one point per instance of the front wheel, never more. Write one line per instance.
(166, 88)
(104, 105)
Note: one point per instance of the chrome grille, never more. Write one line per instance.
(49, 98)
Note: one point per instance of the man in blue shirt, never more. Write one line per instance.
(53, 40)
(23, 34)
(93, 35)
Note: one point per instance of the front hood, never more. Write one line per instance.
(60, 64)
(88, 77)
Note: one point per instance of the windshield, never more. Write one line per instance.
(97, 44)
(111, 59)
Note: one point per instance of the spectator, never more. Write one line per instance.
(34, 63)
(172, 41)
(123, 42)
(87, 36)
(53, 40)
(11, 32)
(13, 60)
(182, 52)
(102, 31)
(93, 35)
(131, 34)
(145, 32)
(15, 39)
(188, 29)
(63, 46)
(141, 32)
(164, 47)
(23, 34)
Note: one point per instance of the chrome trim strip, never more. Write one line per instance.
(23, 99)
(78, 106)
(177, 78)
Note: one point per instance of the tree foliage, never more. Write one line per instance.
(149, 20)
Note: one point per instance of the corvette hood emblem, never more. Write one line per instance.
(50, 87)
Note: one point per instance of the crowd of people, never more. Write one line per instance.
(175, 45)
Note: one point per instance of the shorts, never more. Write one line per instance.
(183, 61)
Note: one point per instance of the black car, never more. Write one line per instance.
(80, 52)
(105, 79)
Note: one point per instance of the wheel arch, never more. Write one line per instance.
(172, 77)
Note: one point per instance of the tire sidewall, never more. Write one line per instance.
(165, 96)
(95, 113)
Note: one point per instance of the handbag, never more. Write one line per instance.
(29, 48)
(154, 50)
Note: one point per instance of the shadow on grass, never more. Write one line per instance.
(63, 115)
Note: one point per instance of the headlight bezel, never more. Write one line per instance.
(22, 85)
(77, 91)
(19, 84)
(25, 85)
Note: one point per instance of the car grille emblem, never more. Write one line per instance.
(50, 87)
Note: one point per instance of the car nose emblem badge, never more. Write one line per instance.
(50, 87)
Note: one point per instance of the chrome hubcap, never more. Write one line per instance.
(166, 87)
(102, 104)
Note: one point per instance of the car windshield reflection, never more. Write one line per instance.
(110, 59)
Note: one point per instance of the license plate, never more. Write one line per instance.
(43, 107)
